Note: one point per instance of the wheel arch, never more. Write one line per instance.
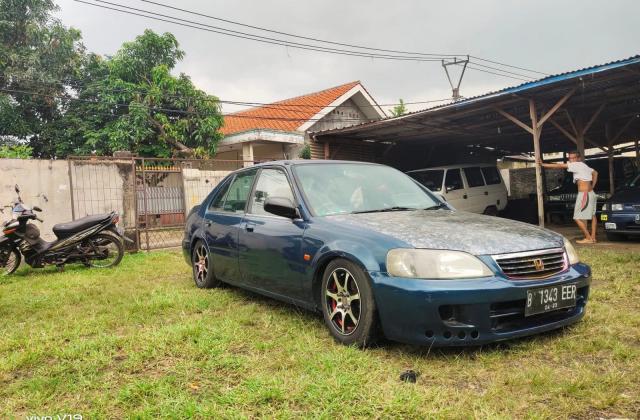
(321, 266)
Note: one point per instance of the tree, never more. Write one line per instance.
(399, 109)
(15, 151)
(36, 54)
(132, 102)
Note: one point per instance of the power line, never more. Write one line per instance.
(327, 41)
(509, 65)
(170, 19)
(170, 110)
(237, 34)
(294, 35)
(74, 83)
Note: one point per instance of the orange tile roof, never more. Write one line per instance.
(286, 115)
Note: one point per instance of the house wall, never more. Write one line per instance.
(37, 179)
(344, 115)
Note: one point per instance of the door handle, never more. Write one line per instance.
(207, 223)
(486, 193)
(248, 227)
(464, 196)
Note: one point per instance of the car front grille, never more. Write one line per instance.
(533, 264)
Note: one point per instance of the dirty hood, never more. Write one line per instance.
(455, 230)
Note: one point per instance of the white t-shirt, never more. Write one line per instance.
(580, 171)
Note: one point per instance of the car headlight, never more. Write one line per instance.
(555, 198)
(617, 207)
(604, 207)
(435, 264)
(571, 252)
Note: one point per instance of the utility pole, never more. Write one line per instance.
(455, 89)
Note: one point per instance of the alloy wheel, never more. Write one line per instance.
(201, 264)
(342, 298)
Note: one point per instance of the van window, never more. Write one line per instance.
(453, 180)
(491, 175)
(474, 177)
(431, 179)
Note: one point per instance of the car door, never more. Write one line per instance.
(454, 189)
(271, 246)
(477, 194)
(223, 220)
(495, 186)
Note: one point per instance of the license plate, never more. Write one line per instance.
(610, 226)
(547, 299)
(604, 217)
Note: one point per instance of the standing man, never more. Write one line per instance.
(585, 179)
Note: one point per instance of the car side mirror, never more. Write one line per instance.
(281, 206)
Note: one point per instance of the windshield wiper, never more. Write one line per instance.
(437, 206)
(395, 208)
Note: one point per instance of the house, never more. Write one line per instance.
(280, 130)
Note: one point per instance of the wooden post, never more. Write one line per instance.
(326, 150)
(538, 156)
(612, 186)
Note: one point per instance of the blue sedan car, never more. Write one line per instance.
(621, 213)
(377, 253)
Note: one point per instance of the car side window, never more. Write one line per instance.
(491, 175)
(235, 199)
(474, 177)
(453, 180)
(271, 183)
(217, 204)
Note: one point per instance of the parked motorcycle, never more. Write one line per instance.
(94, 240)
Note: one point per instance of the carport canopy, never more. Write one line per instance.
(595, 107)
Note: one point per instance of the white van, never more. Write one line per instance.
(476, 188)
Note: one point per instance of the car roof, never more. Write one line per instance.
(459, 165)
(295, 162)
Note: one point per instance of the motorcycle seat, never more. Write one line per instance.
(64, 230)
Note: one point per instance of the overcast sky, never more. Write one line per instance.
(547, 35)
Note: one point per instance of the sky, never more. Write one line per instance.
(549, 36)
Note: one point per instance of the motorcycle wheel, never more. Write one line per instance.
(9, 261)
(104, 251)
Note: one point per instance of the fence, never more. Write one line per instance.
(153, 196)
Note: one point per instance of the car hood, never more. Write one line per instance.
(455, 230)
(626, 196)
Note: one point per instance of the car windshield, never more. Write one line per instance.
(431, 179)
(341, 188)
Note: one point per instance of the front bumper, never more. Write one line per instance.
(471, 311)
(627, 223)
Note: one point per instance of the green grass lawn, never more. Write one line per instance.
(142, 341)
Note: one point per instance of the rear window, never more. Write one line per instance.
(474, 177)
(430, 179)
(491, 175)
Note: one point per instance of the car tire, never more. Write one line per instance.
(202, 267)
(491, 211)
(611, 236)
(347, 302)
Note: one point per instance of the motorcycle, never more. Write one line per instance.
(94, 241)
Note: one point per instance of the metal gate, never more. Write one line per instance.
(149, 193)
